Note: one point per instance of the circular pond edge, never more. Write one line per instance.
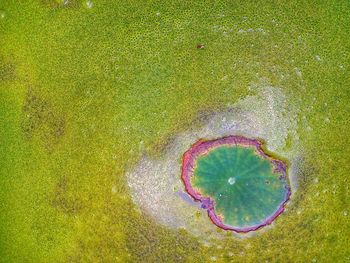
(202, 147)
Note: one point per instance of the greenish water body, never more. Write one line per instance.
(246, 190)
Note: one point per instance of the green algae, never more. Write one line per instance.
(109, 72)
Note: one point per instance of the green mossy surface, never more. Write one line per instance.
(81, 87)
(243, 185)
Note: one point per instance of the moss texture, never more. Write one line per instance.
(82, 85)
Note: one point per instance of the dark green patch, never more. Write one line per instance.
(64, 198)
(39, 118)
(7, 70)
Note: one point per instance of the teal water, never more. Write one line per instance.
(243, 185)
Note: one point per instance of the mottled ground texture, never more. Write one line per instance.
(89, 88)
